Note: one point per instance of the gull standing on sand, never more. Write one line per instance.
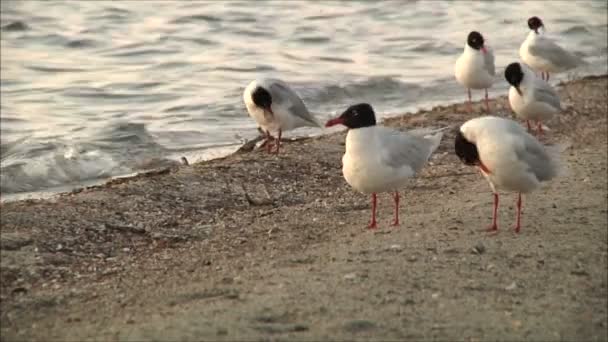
(508, 157)
(531, 98)
(276, 108)
(474, 68)
(380, 159)
(542, 54)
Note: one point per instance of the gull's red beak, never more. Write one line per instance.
(483, 48)
(333, 122)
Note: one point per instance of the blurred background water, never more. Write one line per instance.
(95, 89)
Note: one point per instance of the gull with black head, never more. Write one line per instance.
(380, 159)
(531, 98)
(542, 54)
(474, 69)
(507, 156)
(276, 108)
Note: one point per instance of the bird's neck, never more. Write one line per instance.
(360, 138)
(470, 51)
(533, 35)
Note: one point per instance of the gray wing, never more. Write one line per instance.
(282, 93)
(488, 62)
(543, 92)
(547, 49)
(538, 160)
(402, 149)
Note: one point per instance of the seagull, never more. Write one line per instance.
(542, 54)
(507, 156)
(380, 159)
(276, 108)
(474, 68)
(531, 98)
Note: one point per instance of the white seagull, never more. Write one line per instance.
(508, 157)
(531, 98)
(474, 69)
(542, 54)
(380, 159)
(276, 108)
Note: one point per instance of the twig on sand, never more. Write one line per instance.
(249, 145)
(257, 202)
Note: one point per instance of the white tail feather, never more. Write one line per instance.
(555, 152)
(435, 140)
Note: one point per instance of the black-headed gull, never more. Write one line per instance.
(474, 69)
(508, 157)
(530, 97)
(542, 54)
(380, 159)
(276, 108)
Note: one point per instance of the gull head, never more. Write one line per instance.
(262, 98)
(355, 116)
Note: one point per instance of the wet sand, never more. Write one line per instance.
(260, 247)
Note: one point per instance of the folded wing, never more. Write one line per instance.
(407, 150)
(283, 94)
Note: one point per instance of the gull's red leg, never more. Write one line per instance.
(470, 104)
(268, 141)
(539, 127)
(547, 76)
(372, 224)
(278, 142)
(487, 101)
(396, 198)
(518, 222)
(529, 126)
(494, 226)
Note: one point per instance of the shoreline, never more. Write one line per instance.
(51, 193)
(262, 247)
(213, 153)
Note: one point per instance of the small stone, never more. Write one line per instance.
(395, 247)
(412, 258)
(19, 291)
(408, 301)
(479, 249)
(435, 295)
(359, 325)
(350, 276)
(511, 286)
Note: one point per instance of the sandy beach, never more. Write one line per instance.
(271, 248)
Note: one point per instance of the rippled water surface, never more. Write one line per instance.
(94, 89)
